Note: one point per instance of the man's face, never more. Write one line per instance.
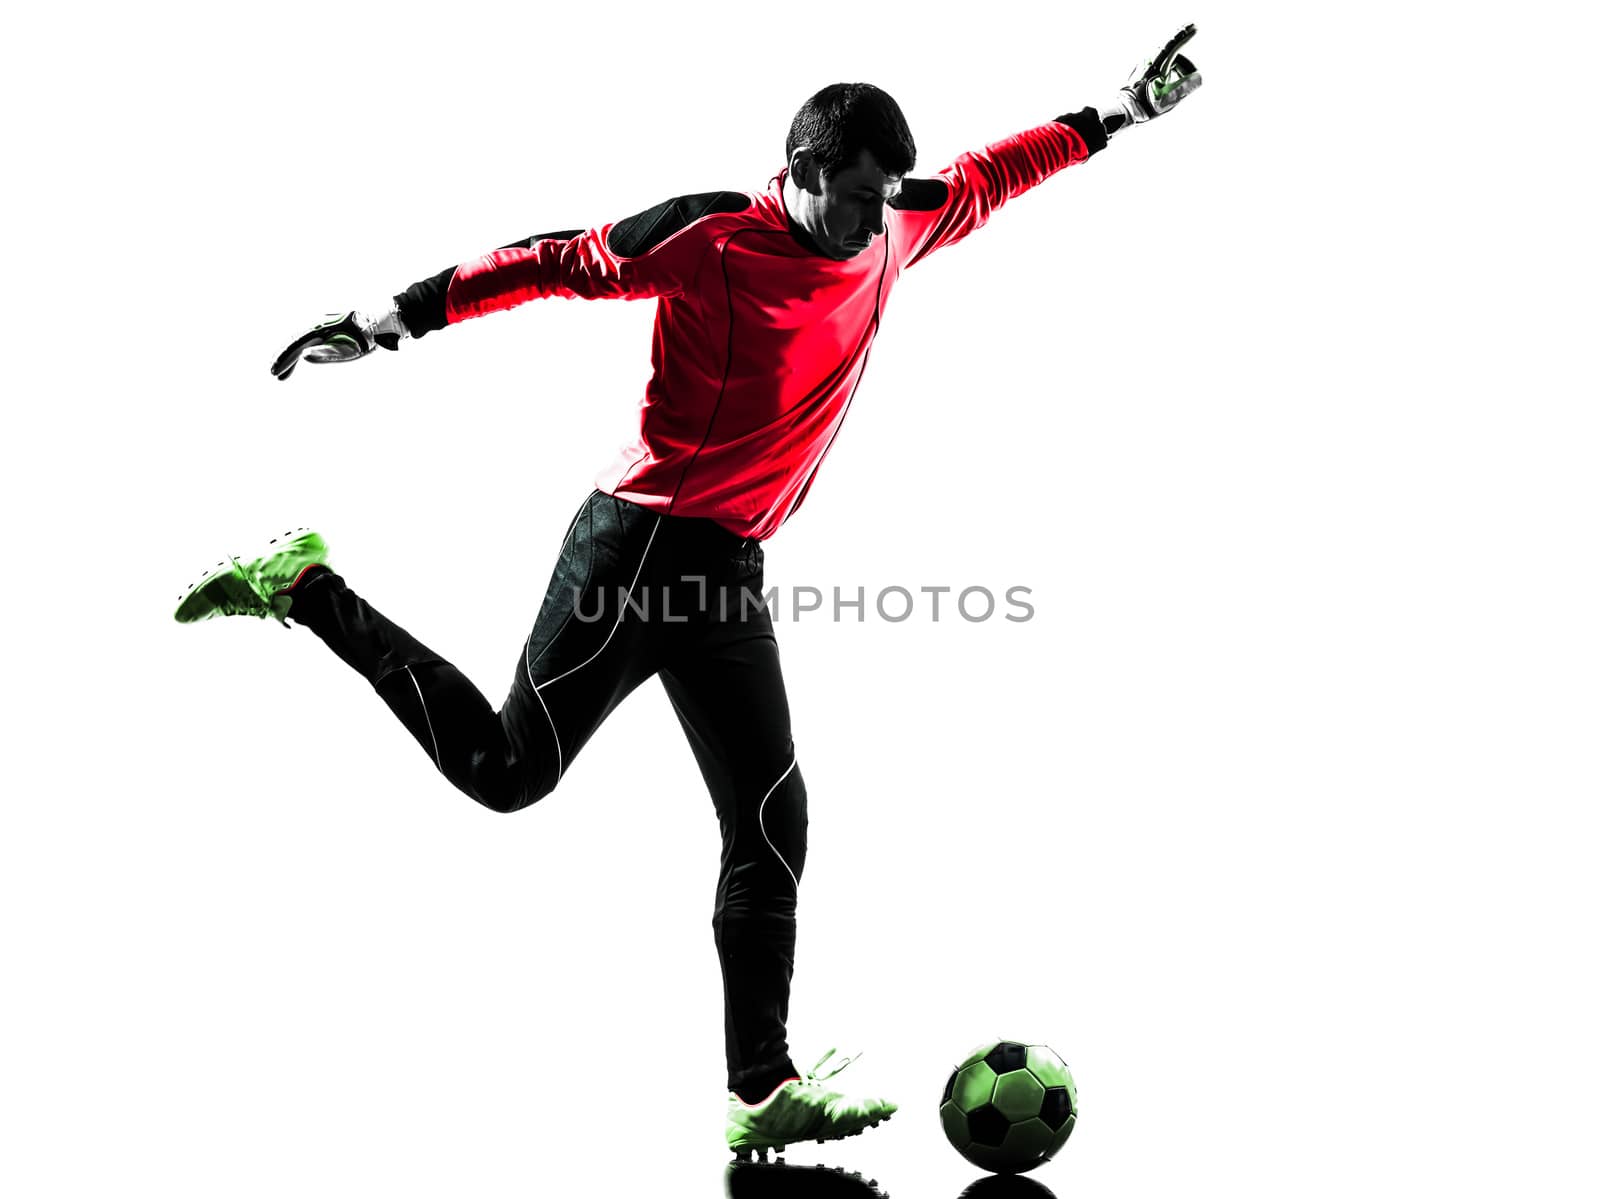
(843, 212)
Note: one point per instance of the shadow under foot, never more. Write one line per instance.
(779, 1180)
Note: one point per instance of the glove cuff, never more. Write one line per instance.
(1120, 113)
(1113, 121)
(387, 330)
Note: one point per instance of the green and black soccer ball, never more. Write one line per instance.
(1009, 1107)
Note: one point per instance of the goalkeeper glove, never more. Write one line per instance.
(342, 337)
(1153, 88)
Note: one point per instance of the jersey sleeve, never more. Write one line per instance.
(652, 254)
(941, 211)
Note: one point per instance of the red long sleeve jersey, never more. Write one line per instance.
(760, 341)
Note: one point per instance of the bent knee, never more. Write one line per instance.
(512, 790)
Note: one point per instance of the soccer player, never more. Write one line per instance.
(767, 306)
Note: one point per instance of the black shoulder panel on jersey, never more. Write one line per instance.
(558, 235)
(921, 195)
(644, 232)
(422, 304)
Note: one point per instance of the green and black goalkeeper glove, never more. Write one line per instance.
(1154, 88)
(342, 337)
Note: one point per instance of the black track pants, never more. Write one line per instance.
(633, 594)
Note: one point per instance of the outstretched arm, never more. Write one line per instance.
(424, 307)
(344, 337)
(653, 253)
(961, 198)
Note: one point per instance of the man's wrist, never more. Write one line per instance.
(388, 329)
(1087, 124)
(1114, 117)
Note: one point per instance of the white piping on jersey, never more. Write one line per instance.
(555, 737)
(582, 508)
(761, 821)
(436, 760)
(623, 608)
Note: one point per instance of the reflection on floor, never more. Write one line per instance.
(778, 1180)
(1007, 1186)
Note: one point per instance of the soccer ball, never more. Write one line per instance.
(1008, 1106)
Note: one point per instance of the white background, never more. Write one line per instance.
(1275, 821)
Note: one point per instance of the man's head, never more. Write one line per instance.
(848, 149)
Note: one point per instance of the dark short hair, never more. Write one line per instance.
(844, 119)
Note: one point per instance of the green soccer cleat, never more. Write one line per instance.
(254, 587)
(801, 1110)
